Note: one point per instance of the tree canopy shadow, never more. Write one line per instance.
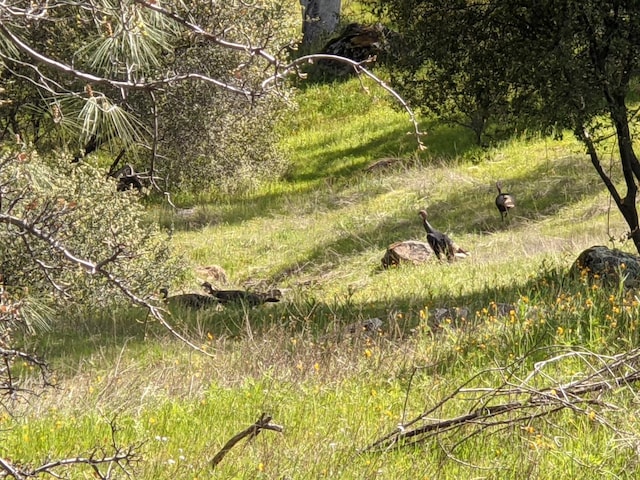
(106, 333)
(540, 192)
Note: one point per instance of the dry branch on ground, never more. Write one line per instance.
(102, 461)
(263, 423)
(520, 400)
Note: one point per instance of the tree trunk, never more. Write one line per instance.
(628, 161)
(319, 19)
(630, 169)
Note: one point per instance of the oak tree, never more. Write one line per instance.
(548, 65)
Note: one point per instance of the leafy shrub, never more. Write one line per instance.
(214, 138)
(56, 216)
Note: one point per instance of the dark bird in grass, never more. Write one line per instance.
(440, 242)
(241, 296)
(188, 300)
(504, 201)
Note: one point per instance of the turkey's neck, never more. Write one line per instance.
(427, 226)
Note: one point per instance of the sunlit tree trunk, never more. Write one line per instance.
(319, 18)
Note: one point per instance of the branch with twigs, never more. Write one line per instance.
(10, 387)
(93, 268)
(263, 423)
(519, 401)
(282, 71)
(8, 356)
(277, 70)
(359, 69)
(99, 460)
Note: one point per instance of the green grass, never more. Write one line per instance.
(320, 235)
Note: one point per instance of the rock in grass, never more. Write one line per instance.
(608, 264)
(454, 315)
(412, 251)
(214, 274)
(370, 326)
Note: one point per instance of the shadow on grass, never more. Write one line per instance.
(76, 340)
(336, 167)
(444, 144)
(465, 217)
(540, 193)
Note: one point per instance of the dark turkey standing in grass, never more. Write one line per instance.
(504, 201)
(440, 242)
(188, 300)
(240, 296)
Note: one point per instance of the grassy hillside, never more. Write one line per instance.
(319, 235)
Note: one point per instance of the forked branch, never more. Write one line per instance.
(98, 460)
(92, 268)
(518, 402)
(263, 423)
(275, 70)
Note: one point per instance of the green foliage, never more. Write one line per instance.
(64, 111)
(138, 39)
(321, 235)
(212, 139)
(122, 77)
(233, 150)
(450, 62)
(74, 207)
(544, 66)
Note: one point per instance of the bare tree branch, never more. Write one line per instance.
(9, 469)
(252, 51)
(96, 460)
(263, 423)
(280, 71)
(120, 84)
(92, 268)
(528, 402)
(359, 69)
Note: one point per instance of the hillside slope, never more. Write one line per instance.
(506, 317)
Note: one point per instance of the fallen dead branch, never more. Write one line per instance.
(263, 423)
(100, 460)
(519, 401)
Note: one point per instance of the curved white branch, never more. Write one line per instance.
(281, 71)
(359, 69)
(62, 67)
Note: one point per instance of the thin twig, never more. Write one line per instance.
(99, 269)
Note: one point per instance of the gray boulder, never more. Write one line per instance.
(411, 251)
(611, 265)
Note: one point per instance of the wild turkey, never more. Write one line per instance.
(188, 300)
(504, 202)
(127, 178)
(440, 242)
(241, 296)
